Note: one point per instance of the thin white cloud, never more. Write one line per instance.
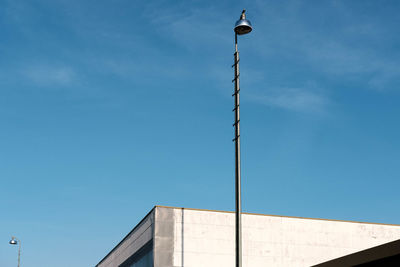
(357, 64)
(355, 49)
(192, 27)
(46, 75)
(293, 99)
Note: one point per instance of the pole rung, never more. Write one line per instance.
(236, 92)
(235, 63)
(235, 78)
(234, 139)
(236, 123)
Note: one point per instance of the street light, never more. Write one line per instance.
(16, 241)
(242, 26)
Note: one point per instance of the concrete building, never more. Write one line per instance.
(180, 237)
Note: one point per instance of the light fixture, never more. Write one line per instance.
(243, 26)
(13, 241)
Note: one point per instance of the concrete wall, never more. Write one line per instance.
(164, 236)
(135, 240)
(198, 238)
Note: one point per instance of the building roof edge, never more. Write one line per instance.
(293, 217)
(123, 239)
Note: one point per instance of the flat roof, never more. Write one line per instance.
(260, 214)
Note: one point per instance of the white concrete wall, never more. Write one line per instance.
(140, 235)
(200, 238)
(164, 236)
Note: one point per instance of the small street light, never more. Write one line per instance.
(242, 26)
(16, 241)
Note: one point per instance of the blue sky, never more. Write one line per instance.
(109, 108)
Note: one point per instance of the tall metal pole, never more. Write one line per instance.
(238, 213)
(19, 251)
(242, 26)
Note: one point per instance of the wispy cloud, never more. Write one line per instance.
(46, 75)
(362, 64)
(192, 27)
(351, 46)
(293, 99)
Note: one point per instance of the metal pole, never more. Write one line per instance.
(19, 251)
(238, 213)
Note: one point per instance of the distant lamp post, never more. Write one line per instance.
(242, 26)
(16, 241)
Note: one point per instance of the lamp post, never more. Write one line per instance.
(15, 241)
(242, 26)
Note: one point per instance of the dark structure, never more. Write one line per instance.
(386, 255)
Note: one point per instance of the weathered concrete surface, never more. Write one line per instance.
(206, 238)
(164, 236)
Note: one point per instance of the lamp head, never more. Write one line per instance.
(243, 26)
(13, 241)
